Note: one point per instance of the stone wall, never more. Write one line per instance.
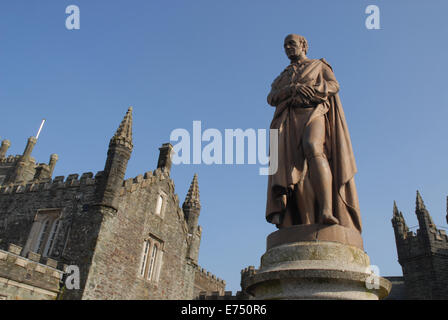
(398, 291)
(425, 265)
(7, 166)
(207, 282)
(118, 254)
(19, 205)
(25, 279)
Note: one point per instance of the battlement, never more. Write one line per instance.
(149, 177)
(412, 245)
(435, 235)
(27, 277)
(201, 272)
(11, 160)
(142, 181)
(58, 182)
(16, 253)
(248, 271)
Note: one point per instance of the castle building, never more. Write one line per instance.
(129, 239)
(423, 257)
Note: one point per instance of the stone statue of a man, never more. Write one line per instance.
(314, 181)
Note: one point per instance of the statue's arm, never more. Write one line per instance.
(325, 86)
(331, 85)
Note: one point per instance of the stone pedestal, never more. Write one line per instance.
(314, 262)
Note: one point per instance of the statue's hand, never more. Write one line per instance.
(307, 91)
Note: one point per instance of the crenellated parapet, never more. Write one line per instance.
(26, 277)
(209, 276)
(228, 295)
(247, 272)
(149, 179)
(142, 181)
(206, 281)
(10, 160)
(59, 182)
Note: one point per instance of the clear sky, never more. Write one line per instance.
(214, 61)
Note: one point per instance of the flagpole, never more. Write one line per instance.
(40, 129)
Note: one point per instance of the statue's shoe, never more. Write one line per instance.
(276, 218)
(329, 219)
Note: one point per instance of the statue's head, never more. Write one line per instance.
(295, 45)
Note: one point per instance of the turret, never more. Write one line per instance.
(53, 159)
(29, 148)
(192, 209)
(25, 169)
(45, 171)
(192, 205)
(399, 224)
(118, 155)
(164, 162)
(4, 148)
(424, 219)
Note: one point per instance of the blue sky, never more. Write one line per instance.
(214, 61)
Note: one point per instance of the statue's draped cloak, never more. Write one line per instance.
(290, 118)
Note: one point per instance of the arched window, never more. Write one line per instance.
(152, 262)
(51, 238)
(44, 232)
(43, 236)
(160, 204)
(145, 257)
(151, 259)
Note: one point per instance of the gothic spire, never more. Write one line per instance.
(419, 204)
(424, 218)
(192, 198)
(398, 215)
(124, 131)
(396, 212)
(399, 224)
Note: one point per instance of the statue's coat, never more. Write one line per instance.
(291, 119)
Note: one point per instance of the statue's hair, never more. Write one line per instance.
(301, 40)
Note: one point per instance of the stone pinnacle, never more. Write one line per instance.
(192, 198)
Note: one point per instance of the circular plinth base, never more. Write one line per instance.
(315, 270)
(315, 232)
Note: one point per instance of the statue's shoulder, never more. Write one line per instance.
(325, 62)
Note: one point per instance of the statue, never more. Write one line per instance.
(314, 183)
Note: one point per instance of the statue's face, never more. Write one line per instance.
(293, 48)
